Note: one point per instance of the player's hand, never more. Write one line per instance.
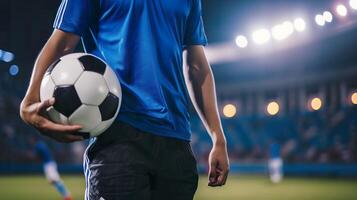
(218, 165)
(34, 114)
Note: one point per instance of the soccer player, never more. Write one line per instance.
(275, 164)
(50, 168)
(156, 48)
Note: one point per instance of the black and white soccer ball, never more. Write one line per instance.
(86, 90)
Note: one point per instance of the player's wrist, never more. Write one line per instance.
(220, 143)
(219, 140)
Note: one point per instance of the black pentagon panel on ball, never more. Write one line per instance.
(109, 107)
(66, 100)
(52, 66)
(91, 63)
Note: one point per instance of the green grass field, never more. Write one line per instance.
(238, 187)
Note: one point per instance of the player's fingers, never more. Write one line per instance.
(53, 127)
(219, 170)
(45, 104)
(220, 179)
(64, 138)
(224, 172)
(73, 138)
(212, 174)
(82, 134)
(226, 176)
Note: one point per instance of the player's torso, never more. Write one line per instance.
(176, 8)
(162, 15)
(161, 22)
(142, 40)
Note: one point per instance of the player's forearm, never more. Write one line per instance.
(200, 82)
(59, 44)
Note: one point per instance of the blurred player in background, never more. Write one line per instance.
(275, 164)
(50, 167)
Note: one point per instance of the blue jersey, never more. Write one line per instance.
(43, 152)
(274, 151)
(143, 41)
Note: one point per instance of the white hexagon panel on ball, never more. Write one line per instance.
(87, 116)
(103, 126)
(91, 88)
(47, 88)
(66, 71)
(112, 82)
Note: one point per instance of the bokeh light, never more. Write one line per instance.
(316, 103)
(277, 32)
(328, 17)
(282, 31)
(299, 25)
(241, 41)
(353, 4)
(341, 10)
(13, 70)
(229, 110)
(8, 56)
(261, 36)
(354, 98)
(273, 108)
(319, 19)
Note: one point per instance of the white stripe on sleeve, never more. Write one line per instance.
(62, 14)
(59, 12)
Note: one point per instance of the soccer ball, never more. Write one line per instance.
(86, 91)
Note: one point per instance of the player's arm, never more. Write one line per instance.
(201, 87)
(31, 109)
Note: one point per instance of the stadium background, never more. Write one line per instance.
(307, 76)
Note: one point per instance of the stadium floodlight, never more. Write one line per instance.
(341, 10)
(328, 17)
(316, 103)
(354, 98)
(299, 24)
(229, 110)
(353, 4)
(319, 19)
(261, 36)
(273, 108)
(241, 41)
(282, 31)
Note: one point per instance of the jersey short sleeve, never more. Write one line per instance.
(195, 33)
(74, 16)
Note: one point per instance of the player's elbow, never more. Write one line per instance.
(67, 50)
(197, 74)
(64, 42)
(21, 111)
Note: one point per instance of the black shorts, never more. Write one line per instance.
(125, 163)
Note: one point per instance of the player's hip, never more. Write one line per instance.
(127, 161)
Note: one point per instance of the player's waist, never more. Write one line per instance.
(176, 127)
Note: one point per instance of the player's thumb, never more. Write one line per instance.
(45, 104)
